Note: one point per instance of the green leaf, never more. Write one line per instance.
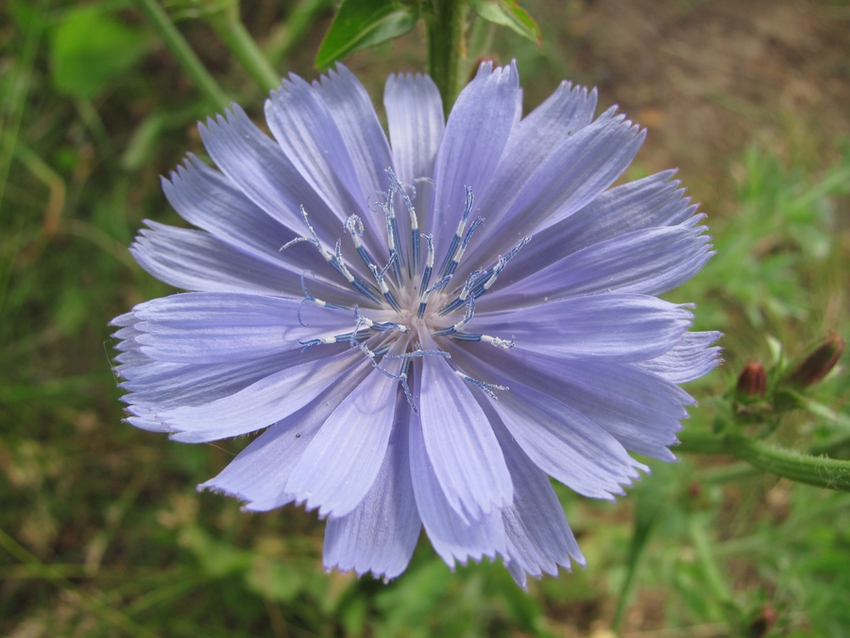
(508, 13)
(89, 48)
(364, 23)
(653, 499)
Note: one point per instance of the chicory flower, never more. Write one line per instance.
(427, 328)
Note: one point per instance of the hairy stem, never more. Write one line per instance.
(821, 471)
(446, 29)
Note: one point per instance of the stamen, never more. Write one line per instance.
(405, 368)
(460, 250)
(381, 352)
(337, 262)
(503, 261)
(352, 337)
(314, 240)
(379, 277)
(504, 344)
(354, 226)
(393, 242)
(385, 326)
(311, 298)
(423, 298)
(467, 317)
(471, 280)
(429, 264)
(397, 186)
(456, 240)
(487, 388)
(340, 264)
(420, 353)
(487, 276)
(334, 260)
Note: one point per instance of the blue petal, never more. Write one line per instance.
(194, 260)
(648, 262)
(259, 473)
(340, 465)
(259, 405)
(476, 134)
(209, 200)
(533, 141)
(464, 453)
(305, 128)
(170, 385)
(612, 327)
(558, 439)
(689, 359)
(379, 536)
(200, 327)
(352, 110)
(640, 409)
(651, 202)
(415, 119)
(538, 536)
(453, 538)
(261, 170)
(581, 168)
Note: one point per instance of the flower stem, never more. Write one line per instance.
(181, 50)
(229, 27)
(446, 29)
(821, 471)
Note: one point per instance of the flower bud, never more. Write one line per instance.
(762, 623)
(818, 363)
(752, 382)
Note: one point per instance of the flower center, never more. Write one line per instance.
(417, 303)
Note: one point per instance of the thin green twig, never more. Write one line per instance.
(181, 50)
(291, 32)
(18, 93)
(230, 29)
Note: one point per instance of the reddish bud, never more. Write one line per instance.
(818, 363)
(763, 622)
(752, 382)
(694, 489)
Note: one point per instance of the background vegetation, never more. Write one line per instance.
(101, 530)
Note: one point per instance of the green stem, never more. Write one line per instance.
(821, 471)
(291, 32)
(705, 557)
(229, 27)
(445, 26)
(181, 50)
(18, 89)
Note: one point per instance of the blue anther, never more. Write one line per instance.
(471, 280)
(397, 186)
(423, 298)
(460, 250)
(354, 226)
(311, 298)
(456, 240)
(467, 317)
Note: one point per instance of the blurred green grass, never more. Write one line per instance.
(101, 530)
